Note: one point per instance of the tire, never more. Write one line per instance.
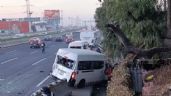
(71, 83)
(81, 84)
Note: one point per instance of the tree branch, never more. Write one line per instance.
(148, 53)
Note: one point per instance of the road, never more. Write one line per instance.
(24, 70)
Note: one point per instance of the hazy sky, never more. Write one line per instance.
(85, 9)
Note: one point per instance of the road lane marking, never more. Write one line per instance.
(43, 81)
(2, 79)
(11, 51)
(39, 61)
(9, 60)
(33, 52)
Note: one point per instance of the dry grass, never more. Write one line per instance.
(118, 86)
(162, 80)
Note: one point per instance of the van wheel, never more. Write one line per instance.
(71, 83)
(81, 84)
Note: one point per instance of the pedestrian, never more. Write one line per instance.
(43, 47)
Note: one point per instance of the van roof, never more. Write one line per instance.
(77, 43)
(80, 54)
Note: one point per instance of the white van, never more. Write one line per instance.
(78, 45)
(79, 67)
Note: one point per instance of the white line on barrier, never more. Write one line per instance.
(9, 60)
(39, 61)
(43, 81)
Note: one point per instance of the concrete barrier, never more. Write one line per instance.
(16, 41)
(49, 89)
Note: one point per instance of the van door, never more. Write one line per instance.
(91, 71)
(98, 70)
(85, 71)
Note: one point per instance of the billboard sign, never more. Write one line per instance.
(51, 14)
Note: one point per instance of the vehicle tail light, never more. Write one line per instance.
(108, 72)
(74, 75)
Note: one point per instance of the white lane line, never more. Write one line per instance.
(39, 61)
(11, 51)
(33, 52)
(2, 79)
(9, 60)
(43, 81)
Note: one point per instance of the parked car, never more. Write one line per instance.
(35, 42)
(79, 67)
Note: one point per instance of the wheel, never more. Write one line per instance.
(71, 83)
(81, 84)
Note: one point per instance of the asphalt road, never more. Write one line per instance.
(24, 70)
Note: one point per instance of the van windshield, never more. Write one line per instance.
(65, 62)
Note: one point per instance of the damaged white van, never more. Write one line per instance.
(79, 67)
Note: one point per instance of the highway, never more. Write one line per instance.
(24, 70)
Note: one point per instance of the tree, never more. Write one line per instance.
(141, 21)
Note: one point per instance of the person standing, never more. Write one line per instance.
(43, 47)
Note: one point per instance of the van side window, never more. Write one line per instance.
(89, 65)
(84, 65)
(97, 64)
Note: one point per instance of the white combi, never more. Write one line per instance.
(79, 66)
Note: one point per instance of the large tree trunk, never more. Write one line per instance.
(168, 35)
(165, 5)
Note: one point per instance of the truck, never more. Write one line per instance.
(88, 36)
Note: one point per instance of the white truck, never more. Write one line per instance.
(88, 36)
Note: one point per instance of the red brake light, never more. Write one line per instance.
(73, 75)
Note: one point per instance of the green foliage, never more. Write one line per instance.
(141, 21)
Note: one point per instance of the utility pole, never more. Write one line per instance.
(61, 16)
(28, 9)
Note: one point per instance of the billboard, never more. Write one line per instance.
(51, 14)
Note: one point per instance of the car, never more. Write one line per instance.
(58, 39)
(35, 42)
(68, 40)
(79, 67)
(48, 38)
